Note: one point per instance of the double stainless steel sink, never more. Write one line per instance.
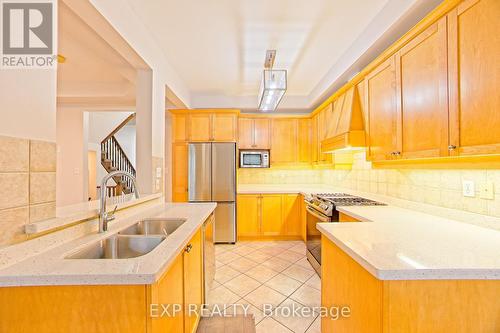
(133, 241)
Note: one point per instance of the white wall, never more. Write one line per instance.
(102, 123)
(72, 157)
(28, 103)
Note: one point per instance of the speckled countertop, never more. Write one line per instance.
(50, 266)
(406, 240)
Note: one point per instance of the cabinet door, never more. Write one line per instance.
(179, 127)
(381, 98)
(245, 133)
(422, 77)
(193, 282)
(169, 290)
(291, 214)
(200, 127)
(272, 215)
(180, 172)
(224, 127)
(262, 128)
(284, 140)
(303, 218)
(314, 139)
(249, 213)
(304, 140)
(474, 77)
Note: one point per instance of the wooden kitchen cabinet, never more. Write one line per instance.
(422, 85)
(381, 102)
(322, 123)
(284, 140)
(254, 133)
(193, 282)
(304, 144)
(248, 216)
(169, 290)
(180, 172)
(200, 127)
(474, 77)
(180, 128)
(224, 127)
(275, 216)
(291, 214)
(315, 145)
(272, 215)
(347, 218)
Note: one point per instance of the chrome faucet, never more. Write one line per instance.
(105, 217)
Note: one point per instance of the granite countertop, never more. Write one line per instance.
(50, 267)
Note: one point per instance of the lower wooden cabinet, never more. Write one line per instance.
(180, 172)
(193, 283)
(395, 306)
(111, 308)
(347, 218)
(269, 215)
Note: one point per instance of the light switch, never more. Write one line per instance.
(468, 188)
(486, 191)
(158, 172)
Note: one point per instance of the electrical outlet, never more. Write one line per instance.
(486, 191)
(468, 188)
(157, 184)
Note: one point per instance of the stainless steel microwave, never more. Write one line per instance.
(254, 158)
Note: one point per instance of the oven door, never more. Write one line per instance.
(313, 236)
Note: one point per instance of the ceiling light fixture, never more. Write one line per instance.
(273, 85)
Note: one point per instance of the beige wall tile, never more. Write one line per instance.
(42, 156)
(14, 190)
(14, 154)
(42, 187)
(12, 223)
(42, 212)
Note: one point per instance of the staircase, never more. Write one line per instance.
(113, 158)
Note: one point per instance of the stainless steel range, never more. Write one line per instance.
(321, 208)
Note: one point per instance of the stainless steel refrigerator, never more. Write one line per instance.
(212, 178)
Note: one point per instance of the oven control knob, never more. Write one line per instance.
(324, 206)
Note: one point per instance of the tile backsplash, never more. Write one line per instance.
(435, 187)
(27, 185)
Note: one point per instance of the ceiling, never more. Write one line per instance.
(218, 46)
(94, 73)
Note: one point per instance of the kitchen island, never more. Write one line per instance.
(424, 274)
(65, 294)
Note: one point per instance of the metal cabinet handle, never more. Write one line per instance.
(188, 248)
(452, 147)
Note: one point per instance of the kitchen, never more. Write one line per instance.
(374, 209)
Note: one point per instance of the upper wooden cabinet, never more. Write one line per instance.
(474, 77)
(180, 127)
(422, 91)
(224, 127)
(200, 127)
(254, 133)
(204, 125)
(381, 102)
(304, 140)
(284, 140)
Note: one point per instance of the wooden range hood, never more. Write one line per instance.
(345, 127)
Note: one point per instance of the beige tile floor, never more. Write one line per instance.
(275, 272)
